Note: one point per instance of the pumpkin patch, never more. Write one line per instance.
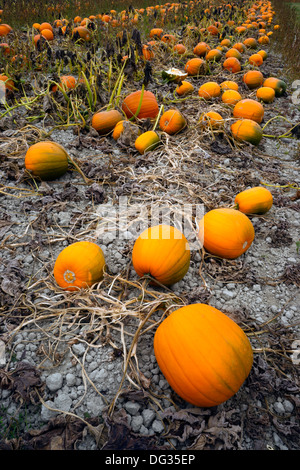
(166, 134)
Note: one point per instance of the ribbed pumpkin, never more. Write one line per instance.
(257, 200)
(104, 121)
(184, 88)
(226, 233)
(79, 265)
(156, 32)
(204, 355)
(172, 121)
(179, 48)
(82, 33)
(161, 251)
(209, 90)
(250, 43)
(256, 59)
(240, 47)
(46, 160)
(265, 94)
(195, 66)
(229, 85)
(201, 49)
(214, 55)
(277, 84)
(231, 97)
(147, 141)
(233, 52)
(253, 79)
(232, 64)
(149, 106)
(247, 130)
(249, 109)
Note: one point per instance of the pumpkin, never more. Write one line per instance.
(8, 82)
(67, 82)
(203, 354)
(253, 79)
(233, 52)
(82, 33)
(201, 49)
(46, 160)
(265, 94)
(146, 103)
(231, 97)
(161, 251)
(277, 84)
(147, 141)
(45, 25)
(226, 233)
(247, 130)
(240, 47)
(184, 88)
(179, 48)
(256, 59)
(168, 38)
(195, 66)
(257, 200)
(264, 40)
(263, 53)
(229, 85)
(209, 90)
(104, 121)
(79, 265)
(225, 42)
(232, 64)
(214, 55)
(212, 118)
(47, 34)
(156, 32)
(172, 121)
(127, 127)
(147, 52)
(213, 30)
(249, 109)
(5, 29)
(250, 43)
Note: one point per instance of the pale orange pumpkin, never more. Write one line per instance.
(231, 97)
(265, 94)
(162, 252)
(46, 160)
(203, 354)
(226, 233)
(79, 265)
(104, 121)
(147, 141)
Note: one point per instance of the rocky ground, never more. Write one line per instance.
(78, 370)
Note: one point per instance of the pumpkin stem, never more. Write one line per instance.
(140, 104)
(161, 110)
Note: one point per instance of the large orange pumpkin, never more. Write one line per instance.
(249, 109)
(46, 160)
(226, 233)
(257, 200)
(172, 121)
(204, 355)
(79, 265)
(161, 251)
(265, 94)
(232, 64)
(201, 49)
(104, 121)
(146, 102)
(247, 130)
